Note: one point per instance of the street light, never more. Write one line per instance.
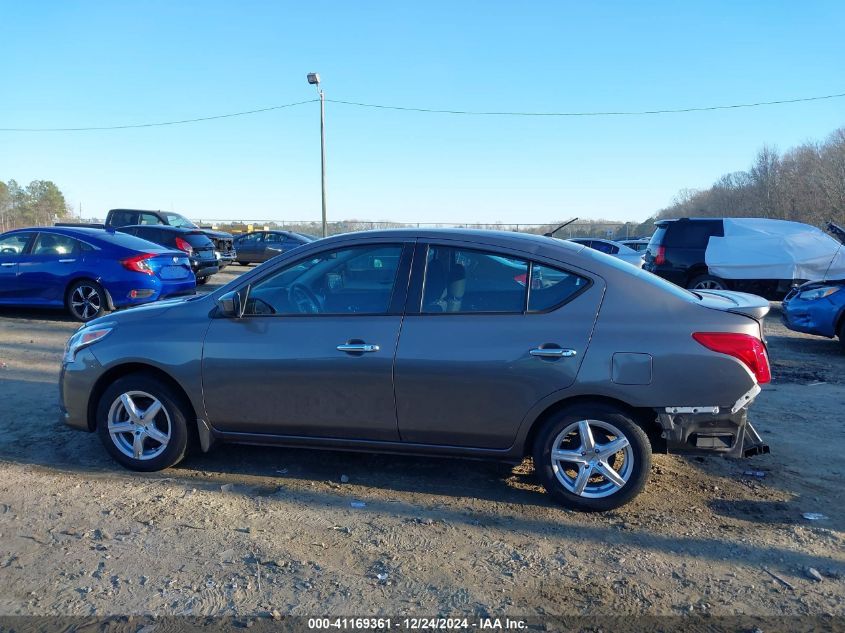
(314, 80)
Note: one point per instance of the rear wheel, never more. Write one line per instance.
(86, 300)
(707, 282)
(202, 281)
(143, 423)
(243, 263)
(592, 457)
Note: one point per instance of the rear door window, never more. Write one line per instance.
(149, 218)
(604, 247)
(462, 281)
(52, 245)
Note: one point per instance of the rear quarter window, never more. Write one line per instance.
(693, 234)
(656, 238)
(125, 240)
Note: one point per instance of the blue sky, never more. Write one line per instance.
(73, 63)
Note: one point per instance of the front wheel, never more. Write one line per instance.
(592, 457)
(841, 334)
(243, 263)
(143, 423)
(86, 300)
(201, 281)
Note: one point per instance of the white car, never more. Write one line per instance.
(639, 244)
(610, 247)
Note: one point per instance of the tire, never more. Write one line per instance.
(201, 281)
(631, 463)
(170, 421)
(706, 282)
(243, 263)
(86, 300)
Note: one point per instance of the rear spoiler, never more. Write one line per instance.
(737, 302)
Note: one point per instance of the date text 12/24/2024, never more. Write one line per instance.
(415, 624)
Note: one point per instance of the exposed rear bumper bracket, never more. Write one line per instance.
(724, 433)
(747, 398)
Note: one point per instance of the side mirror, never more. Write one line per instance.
(232, 304)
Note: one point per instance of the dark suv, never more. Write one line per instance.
(676, 252)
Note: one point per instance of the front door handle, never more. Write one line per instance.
(552, 352)
(357, 348)
(5, 264)
(66, 261)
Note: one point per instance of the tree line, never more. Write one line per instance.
(804, 184)
(40, 203)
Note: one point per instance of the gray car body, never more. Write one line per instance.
(462, 384)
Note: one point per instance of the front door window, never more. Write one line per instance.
(354, 280)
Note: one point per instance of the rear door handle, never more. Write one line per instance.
(5, 264)
(357, 348)
(552, 352)
(66, 261)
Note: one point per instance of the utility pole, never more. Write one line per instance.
(314, 79)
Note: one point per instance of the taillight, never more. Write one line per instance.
(660, 258)
(139, 263)
(183, 245)
(749, 349)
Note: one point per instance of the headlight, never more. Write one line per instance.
(83, 338)
(818, 293)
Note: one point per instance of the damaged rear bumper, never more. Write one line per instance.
(712, 429)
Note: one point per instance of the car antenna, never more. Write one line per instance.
(552, 233)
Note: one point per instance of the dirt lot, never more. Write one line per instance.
(246, 530)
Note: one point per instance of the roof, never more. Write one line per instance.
(66, 230)
(506, 239)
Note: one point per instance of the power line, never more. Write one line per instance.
(157, 124)
(585, 114)
(428, 111)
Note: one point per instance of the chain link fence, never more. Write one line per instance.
(579, 228)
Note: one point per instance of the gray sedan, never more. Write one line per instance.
(464, 343)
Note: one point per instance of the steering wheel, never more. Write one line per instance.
(304, 299)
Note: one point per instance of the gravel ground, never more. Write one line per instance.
(246, 531)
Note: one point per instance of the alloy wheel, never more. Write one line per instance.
(139, 425)
(85, 302)
(592, 458)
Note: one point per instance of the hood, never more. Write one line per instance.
(146, 311)
(736, 302)
(818, 284)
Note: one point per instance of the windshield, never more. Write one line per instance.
(174, 219)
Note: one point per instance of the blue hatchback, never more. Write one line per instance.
(88, 271)
(817, 307)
